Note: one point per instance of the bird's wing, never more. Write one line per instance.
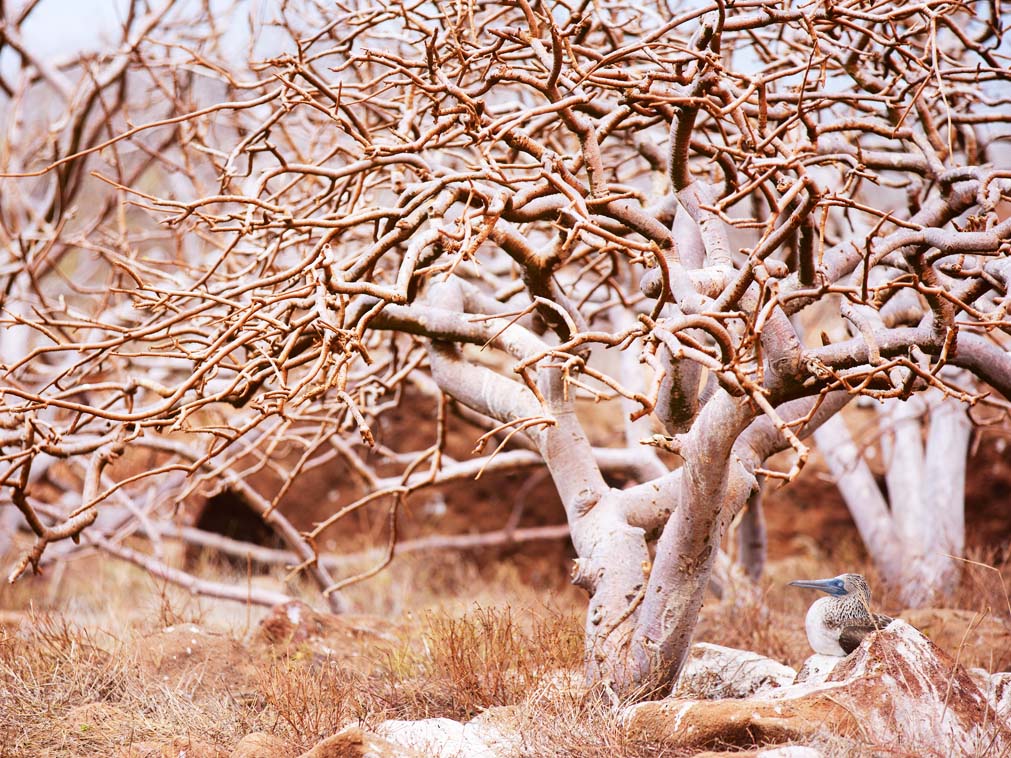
(881, 620)
(852, 635)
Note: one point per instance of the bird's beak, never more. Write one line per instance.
(831, 586)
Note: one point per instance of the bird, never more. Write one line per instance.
(836, 625)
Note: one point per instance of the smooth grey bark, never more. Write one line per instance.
(946, 461)
(917, 534)
(751, 537)
(866, 503)
(678, 399)
(688, 544)
(902, 447)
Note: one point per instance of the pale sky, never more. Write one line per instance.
(62, 27)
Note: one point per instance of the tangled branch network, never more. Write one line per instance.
(211, 268)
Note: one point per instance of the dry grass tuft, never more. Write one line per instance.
(752, 622)
(311, 702)
(66, 690)
(456, 667)
(986, 582)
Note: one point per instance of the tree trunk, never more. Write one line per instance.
(688, 546)
(916, 543)
(946, 460)
(863, 497)
(751, 537)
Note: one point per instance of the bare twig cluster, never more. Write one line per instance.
(509, 206)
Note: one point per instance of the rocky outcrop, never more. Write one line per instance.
(897, 690)
(493, 734)
(714, 671)
(741, 722)
(445, 738)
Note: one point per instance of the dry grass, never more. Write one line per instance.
(986, 582)
(456, 667)
(471, 638)
(68, 691)
(309, 703)
(76, 689)
(71, 691)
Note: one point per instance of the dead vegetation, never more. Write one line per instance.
(152, 665)
(94, 655)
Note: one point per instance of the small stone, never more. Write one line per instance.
(354, 742)
(262, 745)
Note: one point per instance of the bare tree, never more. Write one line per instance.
(512, 206)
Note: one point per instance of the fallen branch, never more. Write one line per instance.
(260, 554)
(194, 585)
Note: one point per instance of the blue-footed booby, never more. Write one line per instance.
(837, 624)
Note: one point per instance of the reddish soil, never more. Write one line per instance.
(807, 516)
(988, 492)
(807, 512)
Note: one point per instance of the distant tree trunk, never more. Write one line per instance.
(915, 532)
(864, 498)
(751, 537)
(946, 461)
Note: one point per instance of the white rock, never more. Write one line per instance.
(439, 738)
(817, 668)
(501, 730)
(714, 671)
(928, 702)
(790, 751)
(997, 688)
